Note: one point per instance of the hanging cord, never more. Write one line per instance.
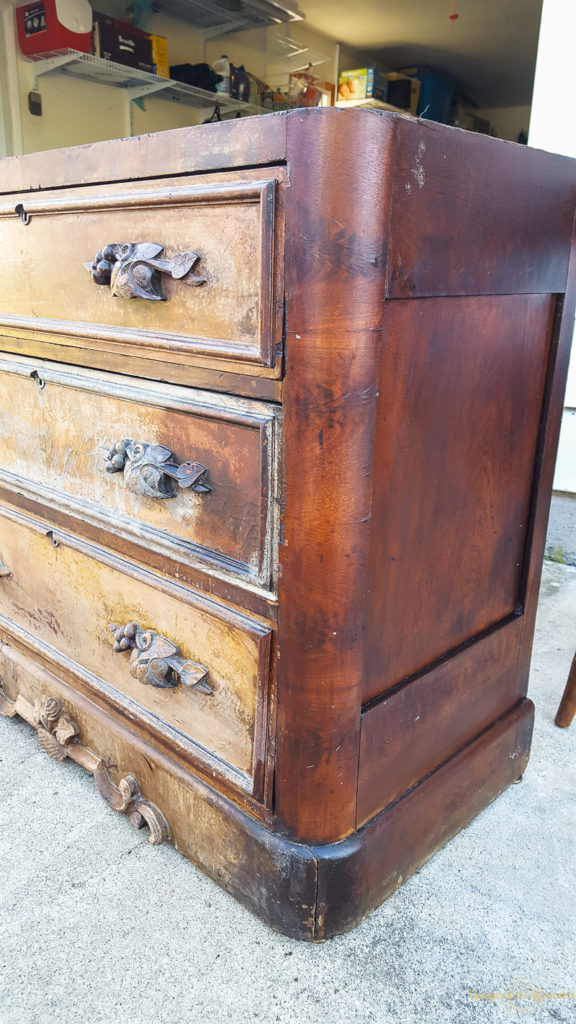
(214, 116)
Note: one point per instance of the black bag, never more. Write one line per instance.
(201, 75)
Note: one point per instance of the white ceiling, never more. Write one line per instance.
(490, 48)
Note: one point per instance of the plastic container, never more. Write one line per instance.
(48, 26)
(222, 67)
(436, 93)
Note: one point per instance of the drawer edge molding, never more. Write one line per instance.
(194, 599)
(214, 194)
(116, 523)
(58, 736)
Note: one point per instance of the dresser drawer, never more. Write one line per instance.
(194, 672)
(187, 268)
(61, 430)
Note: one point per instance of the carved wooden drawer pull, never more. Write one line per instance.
(132, 269)
(156, 661)
(150, 468)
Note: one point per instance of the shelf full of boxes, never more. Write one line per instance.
(68, 38)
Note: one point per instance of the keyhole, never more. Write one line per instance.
(38, 379)
(55, 543)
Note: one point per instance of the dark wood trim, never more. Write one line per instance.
(553, 410)
(335, 252)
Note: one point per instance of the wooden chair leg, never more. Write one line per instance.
(567, 708)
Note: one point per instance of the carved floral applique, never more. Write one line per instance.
(132, 269)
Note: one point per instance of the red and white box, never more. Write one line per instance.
(50, 26)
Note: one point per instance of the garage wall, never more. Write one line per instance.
(552, 129)
(76, 112)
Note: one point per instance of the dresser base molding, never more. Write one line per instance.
(304, 891)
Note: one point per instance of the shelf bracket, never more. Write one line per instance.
(138, 92)
(44, 67)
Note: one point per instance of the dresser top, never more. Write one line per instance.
(246, 142)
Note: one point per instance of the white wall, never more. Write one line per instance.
(507, 122)
(553, 127)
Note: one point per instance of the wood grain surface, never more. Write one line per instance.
(58, 427)
(228, 220)
(462, 384)
(335, 248)
(396, 298)
(67, 593)
(472, 215)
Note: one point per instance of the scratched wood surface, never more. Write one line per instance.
(419, 328)
(66, 594)
(227, 220)
(57, 431)
(462, 383)
(412, 729)
(469, 215)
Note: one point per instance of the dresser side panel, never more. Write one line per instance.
(472, 215)
(462, 388)
(546, 461)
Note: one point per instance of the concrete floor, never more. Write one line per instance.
(98, 927)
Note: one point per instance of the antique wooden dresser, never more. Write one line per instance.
(280, 404)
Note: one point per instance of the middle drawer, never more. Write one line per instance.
(190, 473)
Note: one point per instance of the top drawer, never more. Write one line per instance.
(190, 275)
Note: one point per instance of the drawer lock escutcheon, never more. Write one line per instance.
(132, 269)
(150, 468)
(156, 661)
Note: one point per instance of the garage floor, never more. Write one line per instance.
(99, 927)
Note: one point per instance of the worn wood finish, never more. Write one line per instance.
(67, 593)
(249, 598)
(413, 728)
(58, 427)
(546, 457)
(335, 249)
(232, 226)
(306, 892)
(462, 384)
(567, 708)
(413, 326)
(365, 869)
(228, 145)
(216, 377)
(484, 238)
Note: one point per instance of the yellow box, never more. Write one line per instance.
(160, 56)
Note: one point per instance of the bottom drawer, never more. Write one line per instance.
(188, 667)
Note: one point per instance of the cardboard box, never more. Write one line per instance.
(160, 56)
(401, 88)
(121, 43)
(362, 84)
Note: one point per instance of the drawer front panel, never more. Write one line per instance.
(202, 280)
(65, 594)
(59, 428)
